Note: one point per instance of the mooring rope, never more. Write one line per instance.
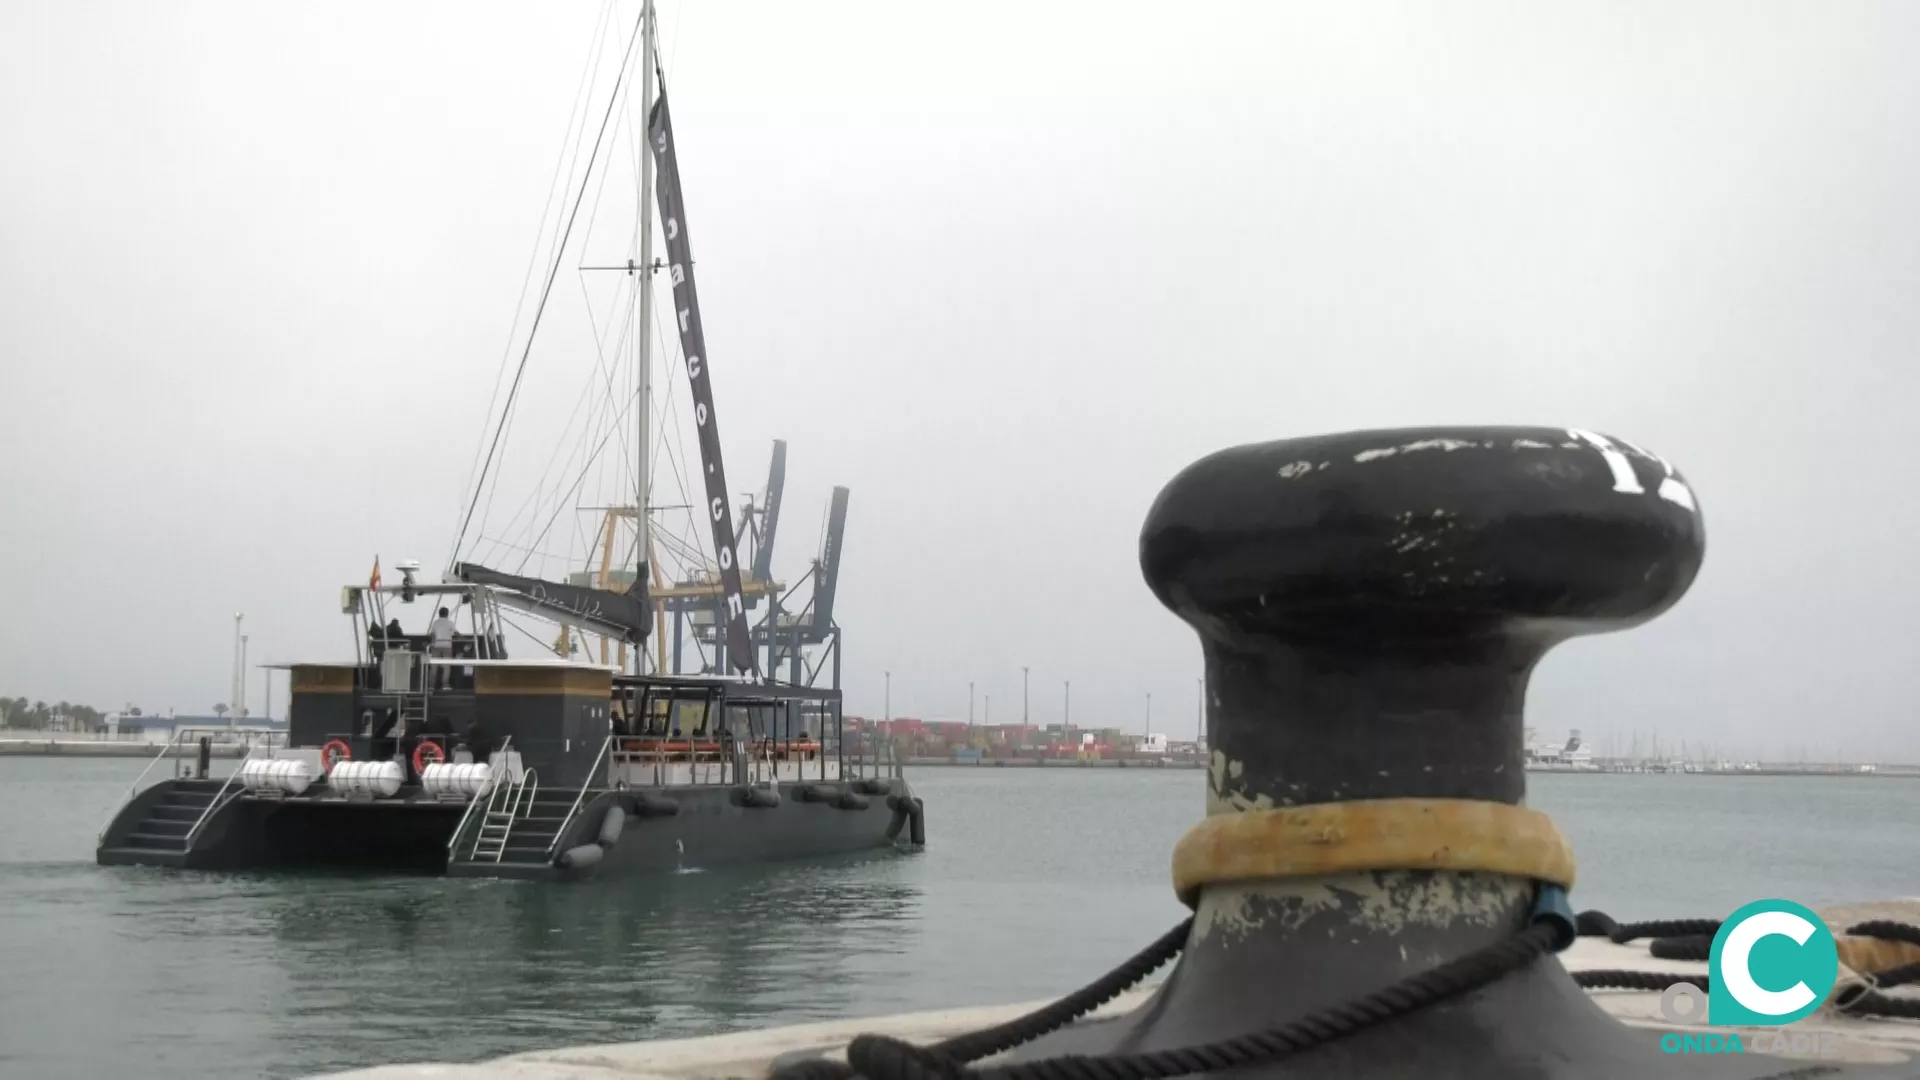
(1692, 939)
(883, 1057)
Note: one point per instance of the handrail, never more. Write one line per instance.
(568, 820)
(515, 791)
(493, 781)
(525, 795)
(134, 790)
(215, 804)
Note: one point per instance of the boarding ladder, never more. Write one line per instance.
(506, 804)
(413, 712)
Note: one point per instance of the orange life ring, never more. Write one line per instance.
(438, 755)
(332, 752)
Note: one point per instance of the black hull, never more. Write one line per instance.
(663, 831)
(714, 829)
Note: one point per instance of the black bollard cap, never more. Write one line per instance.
(1372, 603)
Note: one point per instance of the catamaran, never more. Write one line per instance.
(441, 751)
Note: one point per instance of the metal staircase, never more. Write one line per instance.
(517, 830)
(506, 804)
(164, 833)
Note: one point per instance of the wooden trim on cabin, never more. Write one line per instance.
(549, 681)
(316, 679)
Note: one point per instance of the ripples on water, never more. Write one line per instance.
(1036, 881)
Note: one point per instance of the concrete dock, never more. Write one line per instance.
(108, 748)
(1841, 1038)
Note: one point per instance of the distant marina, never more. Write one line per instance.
(945, 743)
(941, 744)
(1597, 768)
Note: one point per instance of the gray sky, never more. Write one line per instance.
(1002, 270)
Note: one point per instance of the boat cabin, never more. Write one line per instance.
(401, 698)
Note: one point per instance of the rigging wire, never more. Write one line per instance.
(603, 374)
(531, 507)
(581, 478)
(590, 67)
(531, 636)
(546, 291)
(556, 248)
(518, 549)
(623, 471)
(689, 535)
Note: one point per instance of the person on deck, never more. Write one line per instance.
(479, 742)
(440, 647)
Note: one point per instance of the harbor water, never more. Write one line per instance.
(1034, 882)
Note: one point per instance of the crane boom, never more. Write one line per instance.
(770, 512)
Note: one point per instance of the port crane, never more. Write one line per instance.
(801, 642)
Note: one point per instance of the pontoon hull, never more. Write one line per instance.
(664, 830)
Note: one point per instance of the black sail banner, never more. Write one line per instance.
(693, 343)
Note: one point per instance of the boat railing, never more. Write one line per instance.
(134, 791)
(518, 796)
(594, 770)
(484, 793)
(699, 756)
(220, 799)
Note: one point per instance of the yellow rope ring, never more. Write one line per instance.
(1376, 834)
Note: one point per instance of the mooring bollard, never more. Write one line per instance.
(1371, 606)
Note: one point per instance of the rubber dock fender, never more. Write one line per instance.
(758, 798)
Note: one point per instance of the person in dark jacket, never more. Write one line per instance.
(479, 741)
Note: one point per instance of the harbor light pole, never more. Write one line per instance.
(1066, 706)
(1023, 695)
(233, 692)
(1149, 730)
(969, 704)
(1199, 706)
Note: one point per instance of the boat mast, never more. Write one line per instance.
(643, 326)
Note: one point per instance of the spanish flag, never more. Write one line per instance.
(374, 581)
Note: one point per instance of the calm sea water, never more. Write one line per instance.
(1034, 882)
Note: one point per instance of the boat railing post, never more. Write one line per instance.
(219, 799)
(578, 799)
(487, 791)
(133, 791)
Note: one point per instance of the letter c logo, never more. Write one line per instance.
(1736, 963)
(1772, 963)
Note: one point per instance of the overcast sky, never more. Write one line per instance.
(1002, 269)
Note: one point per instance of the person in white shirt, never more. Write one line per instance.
(440, 644)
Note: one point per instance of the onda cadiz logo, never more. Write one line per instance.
(1773, 962)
